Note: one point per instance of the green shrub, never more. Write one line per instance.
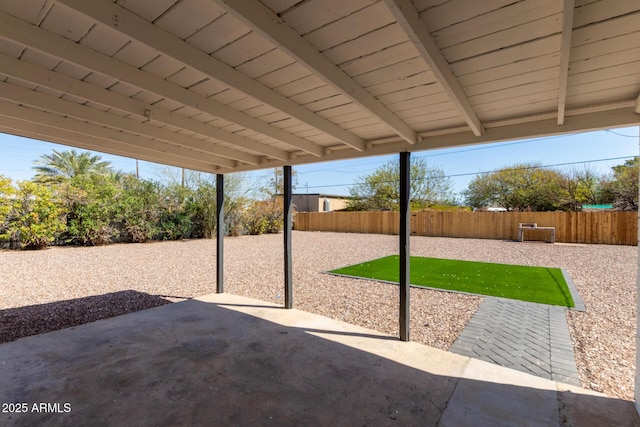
(35, 218)
(264, 216)
(139, 209)
(7, 195)
(91, 205)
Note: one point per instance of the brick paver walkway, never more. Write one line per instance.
(529, 337)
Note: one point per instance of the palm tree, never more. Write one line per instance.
(64, 165)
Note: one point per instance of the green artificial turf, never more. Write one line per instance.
(535, 284)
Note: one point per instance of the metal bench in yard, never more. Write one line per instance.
(533, 226)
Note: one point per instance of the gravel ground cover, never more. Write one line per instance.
(61, 287)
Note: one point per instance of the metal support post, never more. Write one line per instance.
(288, 228)
(405, 228)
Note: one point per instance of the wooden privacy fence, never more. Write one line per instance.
(613, 228)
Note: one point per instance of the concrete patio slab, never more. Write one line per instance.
(224, 359)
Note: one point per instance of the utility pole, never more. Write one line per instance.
(182, 177)
(137, 170)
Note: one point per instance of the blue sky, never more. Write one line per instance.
(461, 163)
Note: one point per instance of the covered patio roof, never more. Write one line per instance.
(224, 86)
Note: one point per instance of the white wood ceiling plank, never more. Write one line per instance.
(529, 103)
(509, 71)
(187, 17)
(244, 49)
(428, 4)
(72, 70)
(245, 104)
(124, 89)
(342, 110)
(380, 59)
(32, 11)
(163, 66)
(630, 82)
(604, 62)
(68, 24)
(136, 54)
(168, 104)
(284, 75)
(228, 96)
(514, 81)
(350, 27)
(436, 116)
(345, 119)
(505, 18)
(411, 93)
(264, 64)
(72, 98)
(51, 92)
(368, 129)
(364, 122)
(187, 77)
(312, 15)
(208, 88)
(275, 116)
(448, 13)
(149, 10)
(39, 58)
(577, 98)
(316, 95)
(368, 43)
(327, 103)
(495, 60)
(606, 30)
(219, 33)
(147, 97)
(20, 82)
(100, 80)
(401, 70)
(260, 111)
(280, 6)
(526, 112)
(435, 111)
(104, 40)
(604, 47)
(525, 93)
(393, 86)
(442, 124)
(301, 85)
(504, 39)
(424, 103)
(11, 48)
(602, 11)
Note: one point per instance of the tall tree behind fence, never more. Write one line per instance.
(613, 228)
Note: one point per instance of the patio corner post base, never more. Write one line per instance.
(288, 227)
(219, 233)
(405, 228)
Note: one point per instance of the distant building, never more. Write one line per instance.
(318, 202)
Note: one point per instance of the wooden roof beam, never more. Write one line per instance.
(565, 53)
(409, 20)
(54, 128)
(638, 105)
(21, 32)
(266, 23)
(53, 80)
(20, 95)
(130, 24)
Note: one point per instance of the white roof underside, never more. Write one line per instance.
(232, 85)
